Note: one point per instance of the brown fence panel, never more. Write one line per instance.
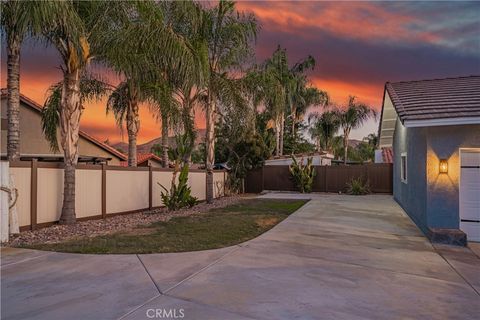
(277, 178)
(380, 178)
(320, 179)
(327, 178)
(254, 181)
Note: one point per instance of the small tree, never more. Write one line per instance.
(303, 174)
(179, 195)
(353, 117)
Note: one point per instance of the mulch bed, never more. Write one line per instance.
(92, 228)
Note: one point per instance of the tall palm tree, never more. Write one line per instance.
(165, 107)
(304, 98)
(144, 49)
(324, 128)
(352, 117)
(19, 19)
(228, 34)
(124, 103)
(91, 89)
(287, 90)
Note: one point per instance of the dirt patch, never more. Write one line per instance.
(266, 222)
(121, 223)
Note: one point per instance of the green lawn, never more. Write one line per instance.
(215, 229)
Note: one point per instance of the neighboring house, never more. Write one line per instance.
(319, 159)
(384, 155)
(433, 127)
(146, 160)
(34, 145)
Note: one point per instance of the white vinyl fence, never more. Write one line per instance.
(100, 190)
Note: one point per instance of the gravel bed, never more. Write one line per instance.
(92, 228)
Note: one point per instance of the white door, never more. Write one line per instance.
(470, 194)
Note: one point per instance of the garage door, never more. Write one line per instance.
(470, 194)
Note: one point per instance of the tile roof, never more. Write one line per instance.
(437, 98)
(387, 155)
(35, 106)
(142, 157)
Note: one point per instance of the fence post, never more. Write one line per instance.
(33, 194)
(150, 188)
(104, 191)
(5, 201)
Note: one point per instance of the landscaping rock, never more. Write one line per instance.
(92, 228)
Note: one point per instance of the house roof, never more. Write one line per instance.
(35, 106)
(142, 157)
(303, 155)
(436, 99)
(387, 155)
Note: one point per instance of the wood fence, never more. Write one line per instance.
(101, 190)
(327, 178)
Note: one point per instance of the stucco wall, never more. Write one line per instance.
(411, 195)
(32, 140)
(431, 198)
(442, 189)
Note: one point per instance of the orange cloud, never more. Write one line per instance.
(339, 91)
(356, 20)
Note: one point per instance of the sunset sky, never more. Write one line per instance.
(358, 46)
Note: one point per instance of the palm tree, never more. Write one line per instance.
(165, 107)
(144, 51)
(352, 117)
(124, 103)
(287, 90)
(91, 89)
(18, 19)
(324, 128)
(228, 35)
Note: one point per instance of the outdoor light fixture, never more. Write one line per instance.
(443, 166)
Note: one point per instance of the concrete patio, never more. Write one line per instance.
(338, 257)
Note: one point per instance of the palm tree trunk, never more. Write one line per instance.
(70, 113)
(164, 139)
(133, 124)
(210, 144)
(282, 132)
(294, 111)
(277, 137)
(188, 128)
(13, 91)
(345, 147)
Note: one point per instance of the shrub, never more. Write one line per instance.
(358, 187)
(302, 174)
(179, 195)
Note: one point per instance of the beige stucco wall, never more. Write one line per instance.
(50, 194)
(165, 179)
(21, 179)
(88, 191)
(127, 190)
(32, 140)
(197, 183)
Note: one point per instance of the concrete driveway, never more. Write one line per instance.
(338, 257)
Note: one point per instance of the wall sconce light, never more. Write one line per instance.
(443, 166)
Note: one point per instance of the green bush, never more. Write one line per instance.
(302, 174)
(358, 187)
(179, 195)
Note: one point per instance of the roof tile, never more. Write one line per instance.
(437, 98)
